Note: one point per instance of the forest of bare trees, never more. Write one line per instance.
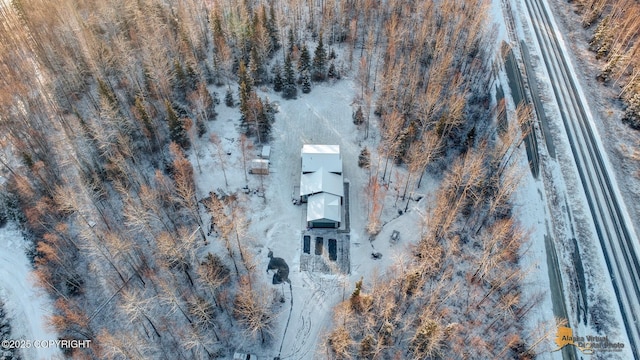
(616, 42)
(460, 294)
(101, 100)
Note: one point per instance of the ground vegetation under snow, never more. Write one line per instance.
(6, 334)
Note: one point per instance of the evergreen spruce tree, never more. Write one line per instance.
(105, 91)
(292, 40)
(364, 160)
(264, 125)
(270, 109)
(306, 82)
(179, 80)
(148, 82)
(192, 78)
(201, 127)
(216, 73)
(244, 96)
(332, 73)
(142, 115)
(272, 29)
(278, 82)
(5, 327)
(319, 61)
(177, 132)
(256, 69)
(305, 59)
(290, 91)
(266, 119)
(228, 98)
(358, 116)
(235, 64)
(632, 112)
(245, 87)
(211, 102)
(243, 76)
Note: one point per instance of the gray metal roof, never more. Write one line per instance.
(327, 157)
(324, 206)
(321, 181)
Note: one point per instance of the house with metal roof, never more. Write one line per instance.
(321, 185)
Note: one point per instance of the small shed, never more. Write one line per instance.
(259, 166)
(266, 152)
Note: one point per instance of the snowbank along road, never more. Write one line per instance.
(610, 219)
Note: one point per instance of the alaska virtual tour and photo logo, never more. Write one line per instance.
(586, 344)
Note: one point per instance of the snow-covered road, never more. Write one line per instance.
(591, 204)
(26, 305)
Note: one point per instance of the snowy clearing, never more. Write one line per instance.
(322, 117)
(26, 305)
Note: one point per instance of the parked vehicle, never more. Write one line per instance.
(244, 356)
(395, 236)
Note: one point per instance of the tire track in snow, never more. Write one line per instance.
(302, 344)
(304, 330)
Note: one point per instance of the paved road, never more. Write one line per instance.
(615, 234)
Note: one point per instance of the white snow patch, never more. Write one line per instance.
(26, 305)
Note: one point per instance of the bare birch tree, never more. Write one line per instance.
(252, 308)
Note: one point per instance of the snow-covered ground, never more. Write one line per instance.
(276, 224)
(322, 117)
(26, 305)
